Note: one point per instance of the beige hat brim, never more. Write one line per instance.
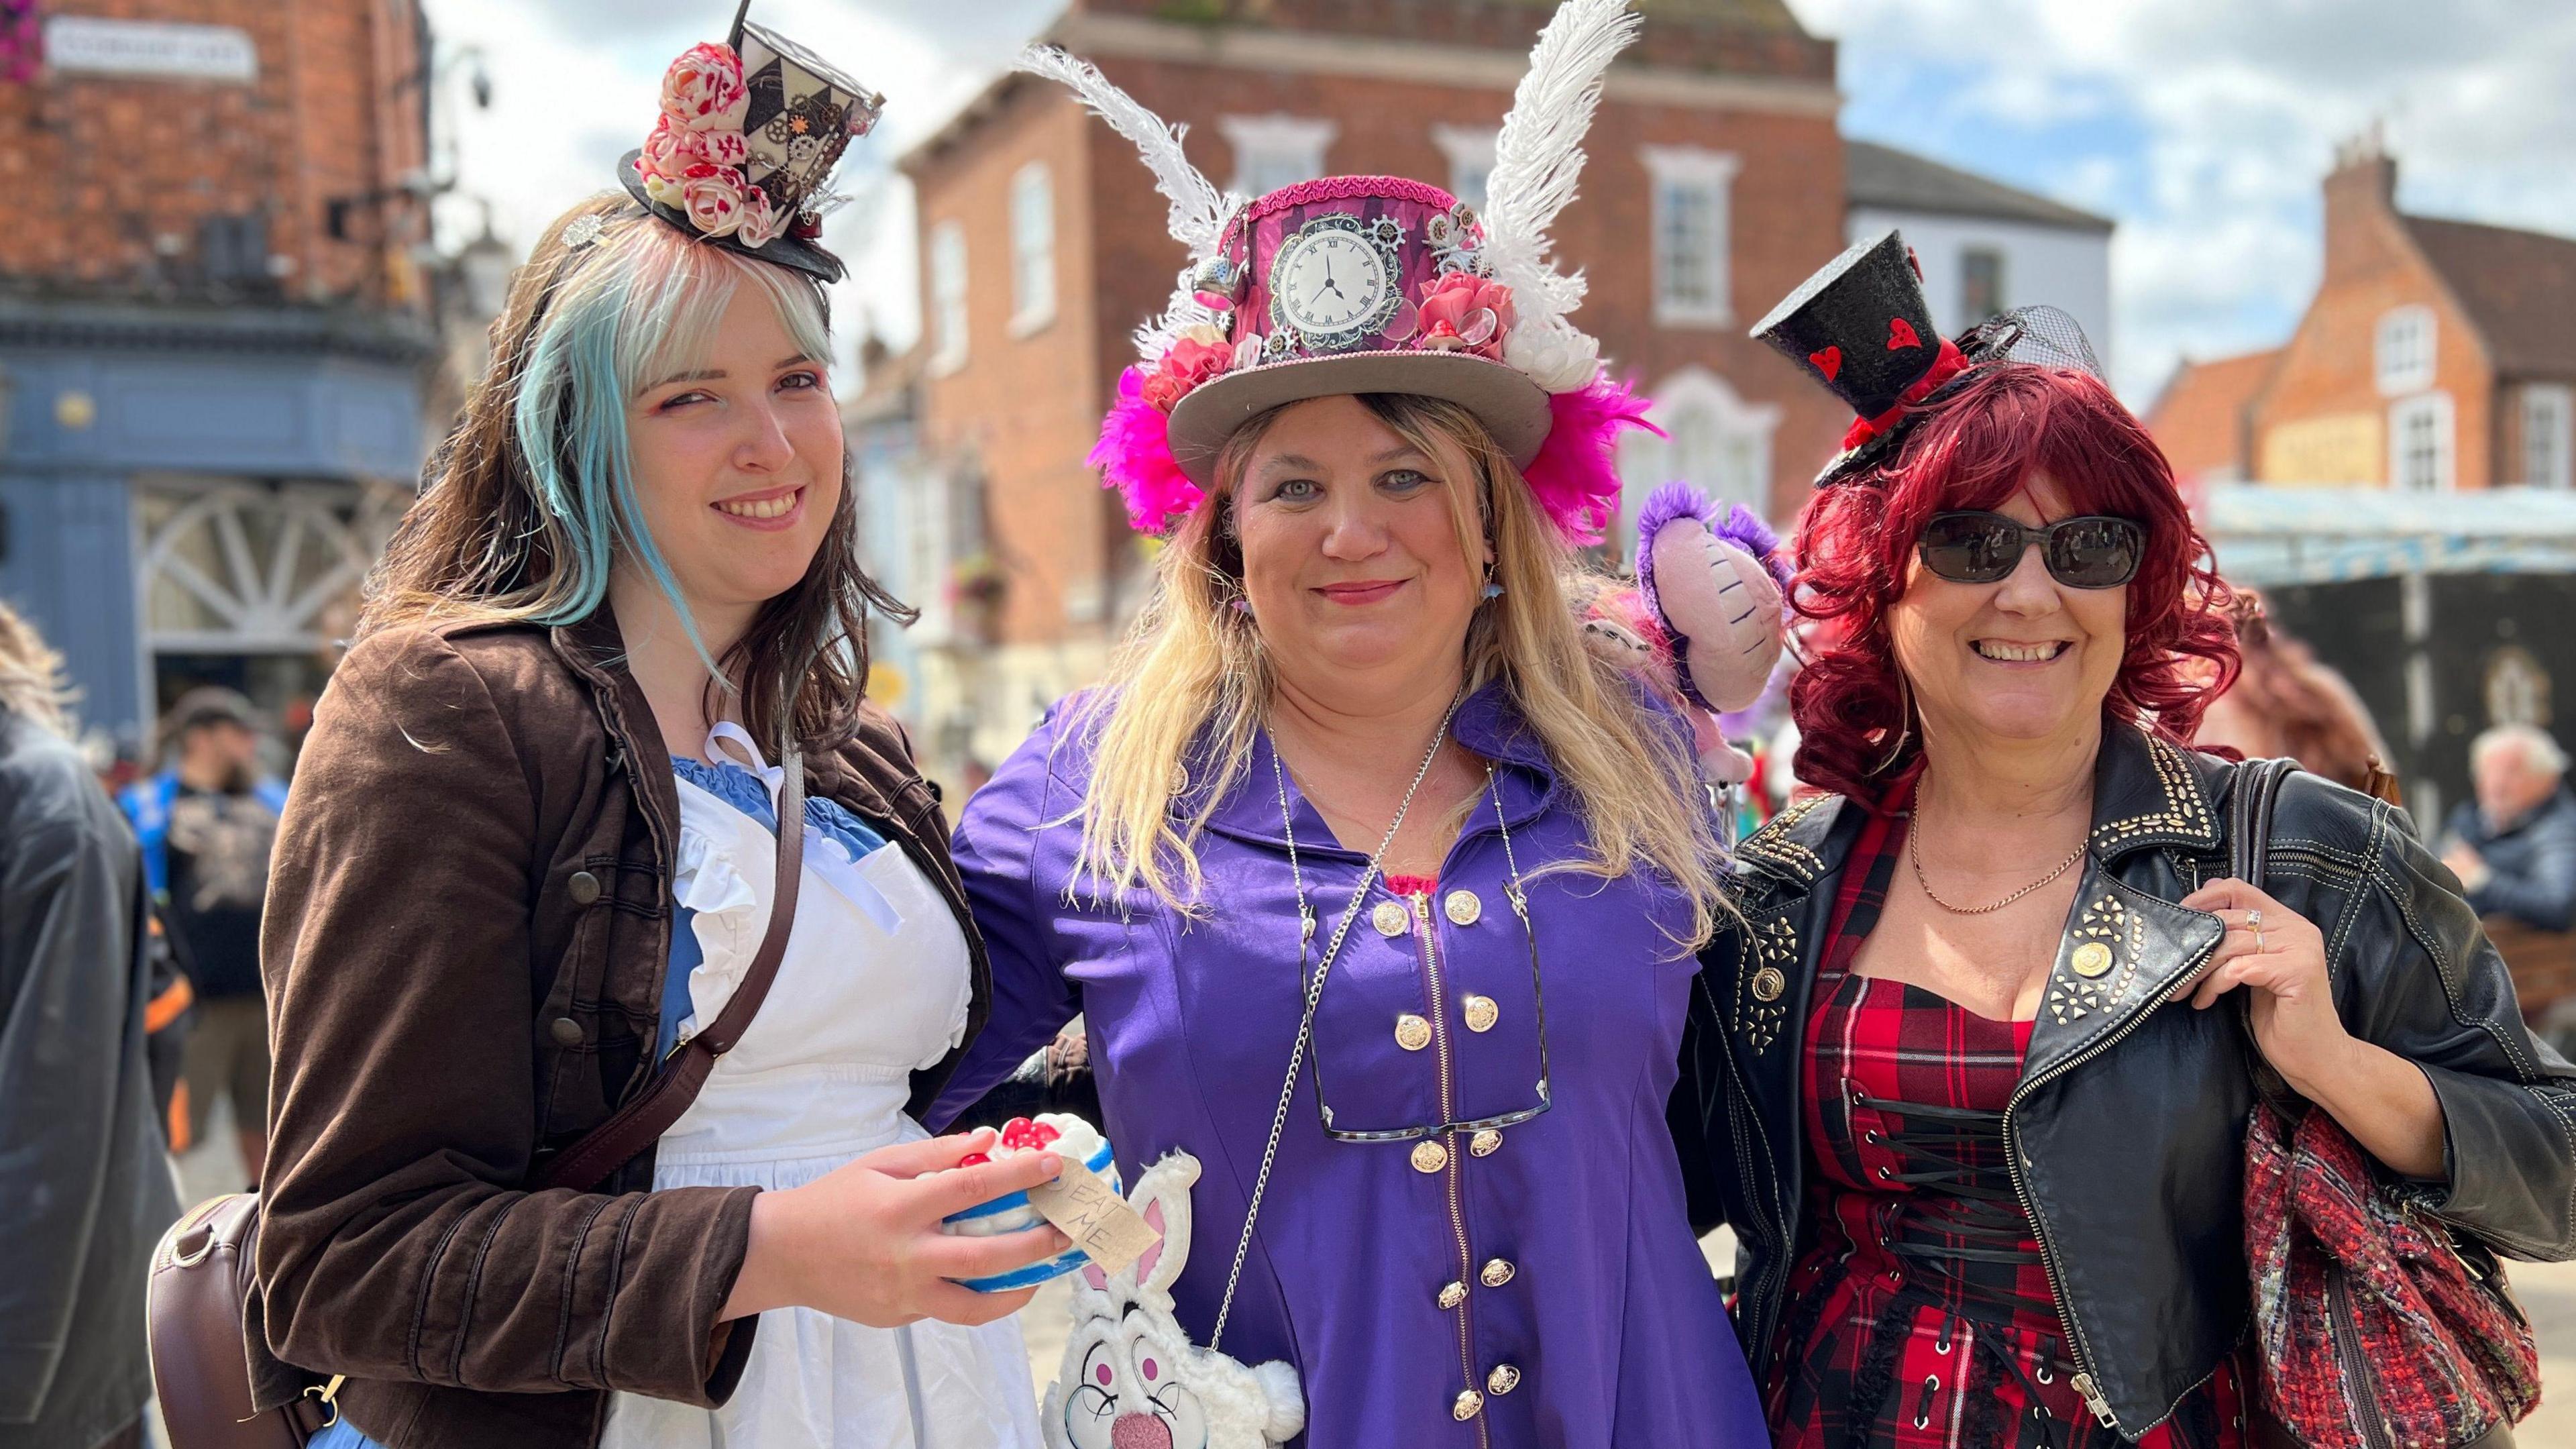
(1512, 406)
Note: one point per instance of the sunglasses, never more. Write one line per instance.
(2093, 552)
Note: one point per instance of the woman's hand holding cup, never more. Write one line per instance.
(864, 1242)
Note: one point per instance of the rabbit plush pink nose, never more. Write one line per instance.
(1139, 1431)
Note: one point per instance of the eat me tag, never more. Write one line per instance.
(1097, 1219)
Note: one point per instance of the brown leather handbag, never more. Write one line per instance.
(202, 1272)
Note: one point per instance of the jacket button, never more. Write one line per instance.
(1452, 1295)
(1485, 1143)
(583, 887)
(1467, 1405)
(1503, 1379)
(565, 1031)
(1429, 1157)
(1498, 1271)
(1412, 1032)
(1482, 1013)
(1463, 908)
(1390, 918)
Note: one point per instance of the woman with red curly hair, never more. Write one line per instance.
(1988, 1134)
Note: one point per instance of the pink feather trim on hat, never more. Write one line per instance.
(1576, 473)
(1134, 456)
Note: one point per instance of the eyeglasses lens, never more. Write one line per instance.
(2094, 553)
(1972, 548)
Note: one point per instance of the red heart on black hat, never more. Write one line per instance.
(1900, 335)
(1828, 362)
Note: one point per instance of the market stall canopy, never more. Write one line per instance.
(2271, 536)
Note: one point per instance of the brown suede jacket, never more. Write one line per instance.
(469, 920)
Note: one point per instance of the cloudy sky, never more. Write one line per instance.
(2202, 125)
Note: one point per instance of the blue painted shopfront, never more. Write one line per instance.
(196, 485)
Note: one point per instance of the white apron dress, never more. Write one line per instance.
(874, 986)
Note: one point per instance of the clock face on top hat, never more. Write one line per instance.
(1334, 282)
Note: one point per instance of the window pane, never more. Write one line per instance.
(1981, 284)
(1032, 243)
(1687, 244)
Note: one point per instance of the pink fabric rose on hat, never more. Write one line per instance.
(703, 89)
(1462, 312)
(672, 149)
(1183, 369)
(712, 196)
(761, 221)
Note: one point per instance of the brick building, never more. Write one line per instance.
(2437, 355)
(213, 331)
(1714, 186)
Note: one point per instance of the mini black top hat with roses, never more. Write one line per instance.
(742, 155)
(1861, 326)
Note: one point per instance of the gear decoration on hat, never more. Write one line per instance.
(749, 133)
(1859, 325)
(1364, 284)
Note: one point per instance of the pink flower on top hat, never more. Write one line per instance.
(761, 221)
(703, 89)
(1190, 362)
(1465, 313)
(712, 196)
(672, 149)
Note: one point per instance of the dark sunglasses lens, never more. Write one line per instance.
(2095, 553)
(1971, 548)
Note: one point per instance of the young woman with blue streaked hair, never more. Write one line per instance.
(533, 851)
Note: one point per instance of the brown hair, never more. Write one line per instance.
(2320, 721)
(530, 497)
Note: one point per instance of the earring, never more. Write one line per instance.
(1904, 734)
(1491, 590)
(1241, 605)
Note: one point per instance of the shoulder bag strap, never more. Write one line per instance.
(641, 1122)
(2249, 851)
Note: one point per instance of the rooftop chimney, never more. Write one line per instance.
(2361, 196)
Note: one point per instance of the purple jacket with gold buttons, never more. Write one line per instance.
(1535, 1284)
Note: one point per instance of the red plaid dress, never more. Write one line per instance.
(1920, 1315)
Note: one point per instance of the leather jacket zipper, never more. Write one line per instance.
(1452, 1171)
(2084, 1381)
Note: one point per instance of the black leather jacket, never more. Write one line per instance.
(2127, 1129)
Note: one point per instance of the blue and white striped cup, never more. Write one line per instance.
(1014, 1212)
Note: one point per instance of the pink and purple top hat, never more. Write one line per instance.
(1377, 284)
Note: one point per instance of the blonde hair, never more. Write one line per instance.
(31, 675)
(1193, 669)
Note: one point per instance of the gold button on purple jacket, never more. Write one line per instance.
(1608, 1325)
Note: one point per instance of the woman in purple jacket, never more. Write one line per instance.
(1376, 887)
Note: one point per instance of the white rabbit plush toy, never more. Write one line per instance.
(1132, 1379)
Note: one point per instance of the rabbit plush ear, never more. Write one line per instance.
(1162, 1196)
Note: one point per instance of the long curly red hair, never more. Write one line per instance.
(1976, 448)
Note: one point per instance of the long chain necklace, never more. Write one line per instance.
(1314, 985)
(1914, 853)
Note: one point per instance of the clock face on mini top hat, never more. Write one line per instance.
(1334, 282)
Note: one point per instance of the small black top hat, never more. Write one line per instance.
(1860, 325)
(749, 134)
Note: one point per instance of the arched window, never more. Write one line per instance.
(1718, 442)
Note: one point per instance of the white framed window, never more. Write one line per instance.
(1716, 441)
(947, 297)
(2419, 443)
(1470, 150)
(2549, 435)
(1690, 235)
(1032, 249)
(2403, 355)
(1275, 151)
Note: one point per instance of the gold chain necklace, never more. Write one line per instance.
(1914, 853)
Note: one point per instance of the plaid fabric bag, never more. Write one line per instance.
(2375, 1326)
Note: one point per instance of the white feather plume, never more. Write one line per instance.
(1539, 155)
(1199, 212)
